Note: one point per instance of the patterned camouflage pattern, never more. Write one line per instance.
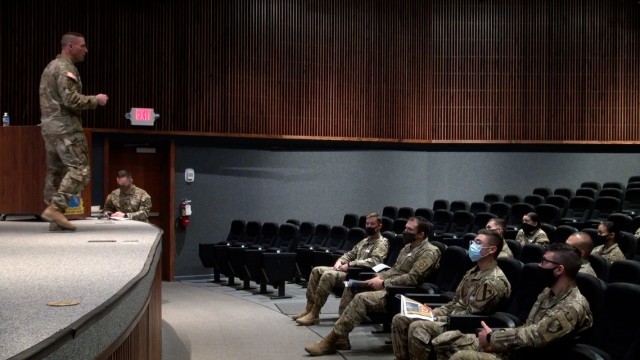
(506, 251)
(61, 101)
(478, 292)
(410, 269)
(368, 252)
(586, 268)
(67, 167)
(135, 202)
(551, 319)
(537, 237)
(611, 254)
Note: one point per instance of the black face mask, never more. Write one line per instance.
(370, 231)
(546, 276)
(600, 239)
(527, 228)
(409, 237)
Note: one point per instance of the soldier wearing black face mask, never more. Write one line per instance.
(368, 253)
(561, 312)
(531, 233)
(128, 200)
(607, 236)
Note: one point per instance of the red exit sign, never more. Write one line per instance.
(142, 116)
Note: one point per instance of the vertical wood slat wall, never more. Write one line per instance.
(415, 71)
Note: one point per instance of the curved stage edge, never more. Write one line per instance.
(111, 268)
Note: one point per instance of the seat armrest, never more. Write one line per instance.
(468, 323)
(504, 320)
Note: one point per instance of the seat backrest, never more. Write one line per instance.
(396, 243)
(440, 204)
(531, 253)
(579, 208)
(628, 244)
(320, 235)
(519, 210)
(399, 225)
(511, 267)
(454, 263)
(560, 201)
(462, 220)
(617, 327)
(387, 224)
(548, 213)
(635, 178)
(268, 234)
(305, 232)
(252, 232)
(613, 185)
(528, 288)
(612, 192)
(236, 232)
(294, 222)
(542, 191)
(593, 289)
(390, 211)
(631, 202)
(563, 232)
(533, 199)
(490, 198)
(441, 221)
(425, 213)
(588, 192)
(405, 212)
(633, 185)
(515, 247)
(604, 206)
(480, 221)
(478, 207)
(548, 229)
(354, 236)
(623, 221)
(627, 271)
(336, 238)
(591, 184)
(512, 199)
(457, 205)
(566, 192)
(600, 265)
(350, 220)
(362, 221)
(286, 239)
(501, 209)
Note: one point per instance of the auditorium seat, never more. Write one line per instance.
(548, 213)
(533, 199)
(478, 207)
(491, 198)
(512, 199)
(542, 191)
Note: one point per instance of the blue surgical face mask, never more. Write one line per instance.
(475, 252)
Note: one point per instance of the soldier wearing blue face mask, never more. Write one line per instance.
(482, 289)
(561, 312)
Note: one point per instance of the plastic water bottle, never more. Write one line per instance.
(6, 120)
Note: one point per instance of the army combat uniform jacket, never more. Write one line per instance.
(135, 203)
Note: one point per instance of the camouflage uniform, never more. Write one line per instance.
(368, 252)
(506, 251)
(611, 254)
(478, 292)
(135, 203)
(410, 269)
(61, 101)
(586, 268)
(551, 319)
(536, 237)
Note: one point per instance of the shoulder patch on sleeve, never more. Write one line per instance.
(70, 74)
(485, 292)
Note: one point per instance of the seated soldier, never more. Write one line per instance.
(608, 234)
(483, 288)
(582, 241)
(561, 312)
(500, 226)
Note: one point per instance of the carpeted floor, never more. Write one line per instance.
(203, 320)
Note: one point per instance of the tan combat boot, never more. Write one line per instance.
(312, 318)
(327, 345)
(53, 214)
(304, 312)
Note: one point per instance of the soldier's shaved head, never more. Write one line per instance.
(582, 241)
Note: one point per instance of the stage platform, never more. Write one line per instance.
(109, 268)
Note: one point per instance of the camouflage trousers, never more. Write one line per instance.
(68, 168)
(455, 345)
(411, 338)
(321, 282)
(370, 301)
